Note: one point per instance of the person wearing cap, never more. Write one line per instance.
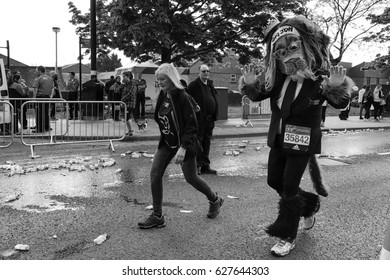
(129, 91)
(298, 79)
(43, 86)
(203, 91)
(73, 86)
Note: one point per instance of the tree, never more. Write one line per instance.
(181, 31)
(344, 21)
(381, 62)
(106, 63)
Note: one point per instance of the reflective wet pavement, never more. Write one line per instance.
(36, 191)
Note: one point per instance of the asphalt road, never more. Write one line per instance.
(59, 213)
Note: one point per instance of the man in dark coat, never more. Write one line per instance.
(205, 95)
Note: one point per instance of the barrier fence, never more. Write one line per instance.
(6, 124)
(43, 122)
(254, 110)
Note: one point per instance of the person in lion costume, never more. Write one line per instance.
(298, 79)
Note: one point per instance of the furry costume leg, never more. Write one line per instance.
(311, 203)
(316, 178)
(287, 222)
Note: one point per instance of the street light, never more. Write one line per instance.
(56, 30)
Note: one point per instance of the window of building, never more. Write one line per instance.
(233, 78)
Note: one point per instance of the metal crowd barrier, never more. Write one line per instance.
(6, 124)
(254, 110)
(92, 123)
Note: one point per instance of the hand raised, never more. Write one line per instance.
(249, 74)
(337, 76)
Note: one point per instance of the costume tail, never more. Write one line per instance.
(316, 178)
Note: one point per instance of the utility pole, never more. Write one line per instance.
(56, 30)
(80, 68)
(93, 39)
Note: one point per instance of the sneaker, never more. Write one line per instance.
(152, 221)
(130, 133)
(309, 222)
(208, 170)
(283, 247)
(215, 207)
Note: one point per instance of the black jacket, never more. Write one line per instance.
(195, 90)
(305, 110)
(187, 125)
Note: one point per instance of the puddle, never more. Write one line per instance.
(38, 190)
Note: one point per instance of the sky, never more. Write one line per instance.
(27, 24)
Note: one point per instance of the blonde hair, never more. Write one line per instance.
(378, 87)
(171, 72)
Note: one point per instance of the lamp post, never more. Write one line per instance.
(56, 30)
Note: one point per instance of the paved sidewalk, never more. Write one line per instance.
(236, 127)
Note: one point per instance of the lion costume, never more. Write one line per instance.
(298, 79)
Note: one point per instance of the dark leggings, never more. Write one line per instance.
(376, 109)
(161, 159)
(285, 172)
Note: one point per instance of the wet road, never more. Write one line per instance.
(59, 212)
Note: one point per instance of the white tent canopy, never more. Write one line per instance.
(147, 67)
(146, 70)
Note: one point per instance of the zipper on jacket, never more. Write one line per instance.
(174, 117)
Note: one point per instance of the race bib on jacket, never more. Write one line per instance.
(296, 138)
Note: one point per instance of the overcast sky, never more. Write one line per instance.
(27, 24)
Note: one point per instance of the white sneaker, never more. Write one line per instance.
(308, 223)
(283, 247)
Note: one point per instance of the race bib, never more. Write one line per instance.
(296, 138)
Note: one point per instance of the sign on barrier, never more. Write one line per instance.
(254, 110)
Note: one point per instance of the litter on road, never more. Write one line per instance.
(22, 247)
(100, 239)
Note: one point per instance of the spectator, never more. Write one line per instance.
(73, 86)
(377, 95)
(17, 92)
(116, 95)
(129, 97)
(382, 105)
(140, 100)
(360, 101)
(56, 93)
(43, 86)
(110, 94)
(367, 101)
(205, 95)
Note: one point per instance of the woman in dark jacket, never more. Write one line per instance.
(178, 126)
